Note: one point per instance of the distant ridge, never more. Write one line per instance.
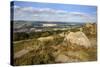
(49, 22)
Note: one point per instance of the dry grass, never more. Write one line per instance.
(54, 51)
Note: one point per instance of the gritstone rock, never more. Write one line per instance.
(78, 38)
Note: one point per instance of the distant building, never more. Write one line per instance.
(38, 30)
(32, 29)
(49, 25)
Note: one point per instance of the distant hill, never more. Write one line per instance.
(19, 24)
(22, 26)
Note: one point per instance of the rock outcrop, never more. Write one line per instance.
(77, 38)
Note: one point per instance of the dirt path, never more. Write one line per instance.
(22, 52)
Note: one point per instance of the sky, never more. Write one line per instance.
(36, 11)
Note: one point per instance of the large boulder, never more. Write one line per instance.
(78, 38)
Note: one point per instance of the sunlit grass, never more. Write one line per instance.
(46, 52)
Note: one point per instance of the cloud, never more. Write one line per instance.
(48, 14)
(15, 6)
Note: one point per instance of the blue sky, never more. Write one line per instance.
(76, 12)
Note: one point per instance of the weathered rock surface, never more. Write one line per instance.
(78, 38)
